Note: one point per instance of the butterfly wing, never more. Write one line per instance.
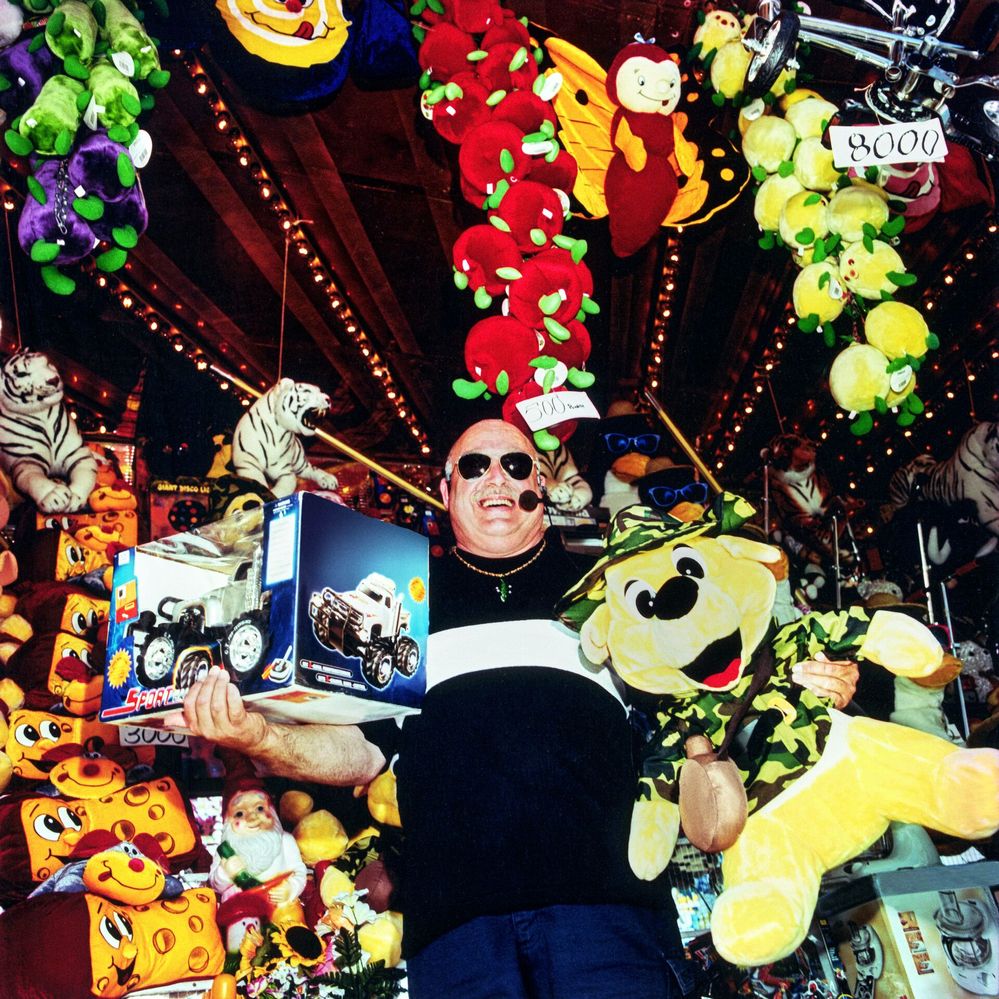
(715, 172)
(584, 112)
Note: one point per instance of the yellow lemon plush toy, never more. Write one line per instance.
(682, 609)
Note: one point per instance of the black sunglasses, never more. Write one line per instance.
(667, 496)
(516, 464)
(643, 443)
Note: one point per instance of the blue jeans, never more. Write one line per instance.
(561, 952)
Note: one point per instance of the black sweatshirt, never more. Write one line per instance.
(516, 780)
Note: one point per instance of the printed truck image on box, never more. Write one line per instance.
(369, 622)
(227, 626)
(316, 612)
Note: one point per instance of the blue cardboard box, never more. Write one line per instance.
(317, 612)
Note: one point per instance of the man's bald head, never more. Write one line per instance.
(485, 515)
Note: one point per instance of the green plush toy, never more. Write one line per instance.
(71, 34)
(50, 123)
(115, 99)
(130, 44)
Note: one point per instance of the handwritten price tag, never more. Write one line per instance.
(133, 735)
(546, 410)
(869, 145)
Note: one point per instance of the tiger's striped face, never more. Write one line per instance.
(991, 455)
(299, 406)
(29, 383)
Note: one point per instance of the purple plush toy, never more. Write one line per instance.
(25, 71)
(51, 232)
(102, 167)
(119, 216)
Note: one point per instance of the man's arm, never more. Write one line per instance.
(327, 754)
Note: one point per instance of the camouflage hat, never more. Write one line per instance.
(640, 529)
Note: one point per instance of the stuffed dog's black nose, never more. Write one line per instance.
(675, 598)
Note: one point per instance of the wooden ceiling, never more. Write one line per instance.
(372, 200)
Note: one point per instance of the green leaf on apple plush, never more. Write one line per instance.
(465, 389)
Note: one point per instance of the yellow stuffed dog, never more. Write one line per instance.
(682, 609)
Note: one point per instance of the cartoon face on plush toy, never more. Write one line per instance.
(51, 829)
(124, 874)
(75, 675)
(647, 86)
(702, 605)
(167, 941)
(290, 34)
(87, 776)
(32, 734)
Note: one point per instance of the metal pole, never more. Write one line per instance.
(685, 446)
(346, 449)
(924, 566)
(945, 603)
(839, 596)
(766, 495)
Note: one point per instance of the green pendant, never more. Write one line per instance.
(503, 590)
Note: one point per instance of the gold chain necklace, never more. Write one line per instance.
(503, 587)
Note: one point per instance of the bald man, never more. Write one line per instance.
(516, 780)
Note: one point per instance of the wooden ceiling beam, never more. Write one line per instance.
(164, 283)
(335, 219)
(194, 158)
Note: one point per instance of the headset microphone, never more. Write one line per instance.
(529, 500)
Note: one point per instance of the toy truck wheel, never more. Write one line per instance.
(407, 656)
(154, 664)
(377, 666)
(193, 665)
(244, 648)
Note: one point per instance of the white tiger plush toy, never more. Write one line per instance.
(567, 489)
(39, 444)
(970, 473)
(265, 447)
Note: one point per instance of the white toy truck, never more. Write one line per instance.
(369, 622)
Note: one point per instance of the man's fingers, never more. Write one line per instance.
(235, 709)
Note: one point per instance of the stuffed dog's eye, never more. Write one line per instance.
(688, 562)
(639, 597)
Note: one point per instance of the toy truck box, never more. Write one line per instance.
(318, 613)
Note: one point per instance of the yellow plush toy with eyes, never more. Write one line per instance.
(682, 609)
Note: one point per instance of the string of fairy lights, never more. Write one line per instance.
(662, 313)
(276, 199)
(968, 358)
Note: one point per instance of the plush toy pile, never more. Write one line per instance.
(75, 84)
(99, 846)
(840, 227)
(483, 91)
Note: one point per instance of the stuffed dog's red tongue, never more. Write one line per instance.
(724, 677)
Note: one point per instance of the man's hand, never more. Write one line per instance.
(832, 678)
(214, 710)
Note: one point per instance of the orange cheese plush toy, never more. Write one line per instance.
(80, 944)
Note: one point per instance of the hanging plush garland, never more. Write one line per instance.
(73, 87)
(482, 90)
(840, 229)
